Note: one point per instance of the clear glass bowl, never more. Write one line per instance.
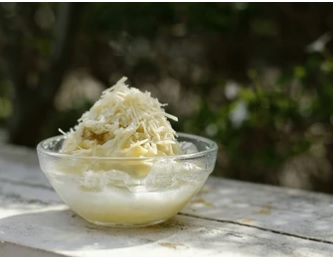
(127, 191)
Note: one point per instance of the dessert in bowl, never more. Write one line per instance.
(123, 165)
(120, 191)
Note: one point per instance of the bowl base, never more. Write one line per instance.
(126, 225)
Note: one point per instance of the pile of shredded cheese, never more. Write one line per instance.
(124, 122)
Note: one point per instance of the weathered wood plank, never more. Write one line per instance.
(291, 211)
(56, 230)
(296, 212)
(244, 218)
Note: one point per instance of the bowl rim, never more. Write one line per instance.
(212, 148)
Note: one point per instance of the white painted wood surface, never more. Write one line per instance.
(227, 218)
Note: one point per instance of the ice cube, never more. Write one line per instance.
(92, 180)
(162, 175)
(97, 180)
(188, 147)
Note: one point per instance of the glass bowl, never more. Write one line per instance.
(121, 191)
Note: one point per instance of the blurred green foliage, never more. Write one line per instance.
(243, 74)
(277, 122)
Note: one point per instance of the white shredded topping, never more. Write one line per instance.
(124, 122)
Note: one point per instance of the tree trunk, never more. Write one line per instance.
(27, 118)
(33, 105)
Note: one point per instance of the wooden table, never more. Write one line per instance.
(227, 218)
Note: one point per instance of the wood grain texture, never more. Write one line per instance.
(227, 218)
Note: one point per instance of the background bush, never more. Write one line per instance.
(256, 78)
